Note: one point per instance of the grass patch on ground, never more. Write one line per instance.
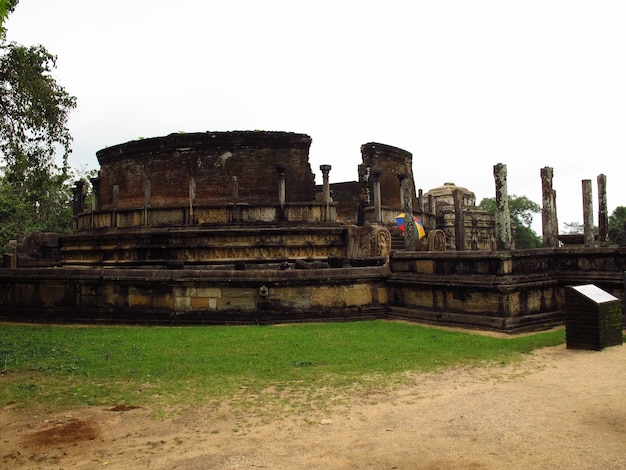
(57, 367)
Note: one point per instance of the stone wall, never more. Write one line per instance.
(509, 291)
(204, 246)
(192, 296)
(391, 161)
(478, 228)
(505, 291)
(164, 171)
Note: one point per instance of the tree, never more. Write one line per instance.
(573, 228)
(34, 190)
(35, 110)
(522, 210)
(6, 7)
(617, 226)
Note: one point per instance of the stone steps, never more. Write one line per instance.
(397, 242)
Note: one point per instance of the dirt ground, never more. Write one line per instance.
(558, 409)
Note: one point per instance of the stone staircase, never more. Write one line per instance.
(397, 242)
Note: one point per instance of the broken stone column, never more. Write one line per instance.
(548, 211)
(459, 220)
(589, 237)
(326, 189)
(378, 213)
(420, 200)
(504, 238)
(603, 216)
(409, 224)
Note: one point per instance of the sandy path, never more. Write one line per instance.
(559, 409)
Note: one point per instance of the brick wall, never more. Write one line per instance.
(211, 159)
(390, 161)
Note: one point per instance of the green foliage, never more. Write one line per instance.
(46, 208)
(35, 110)
(35, 192)
(617, 226)
(526, 238)
(522, 210)
(57, 367)
(6, 7)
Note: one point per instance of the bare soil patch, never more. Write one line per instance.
(557, 409)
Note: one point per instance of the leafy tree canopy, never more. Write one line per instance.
(617, 226)
(6, 7)
(34, 190)
(35, 110)
(522, 211)
(573, 228)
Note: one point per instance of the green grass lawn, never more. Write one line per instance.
(56, 367)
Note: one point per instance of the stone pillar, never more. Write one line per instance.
(95, 190)
(409, 223)
(548, 211)
(504, 238)
(459, 220)
(192, 200)
(116, 203)
(95, 186)
(420, 201)
(147, 192)
(378, 213)
(280, 168)
(77, 190)
(235, 189)
(432, 204)
(326, 189)
(603, 215)
(236, 214)
(589, 236)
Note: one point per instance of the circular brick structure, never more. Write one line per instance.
(208, 167)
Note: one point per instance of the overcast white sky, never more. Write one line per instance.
(461, 84)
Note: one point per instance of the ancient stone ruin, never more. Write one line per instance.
(231, 227)
(205, 199)
(219, 198)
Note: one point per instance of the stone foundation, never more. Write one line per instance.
(505, 291)
(509, 291)
(192, 296)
